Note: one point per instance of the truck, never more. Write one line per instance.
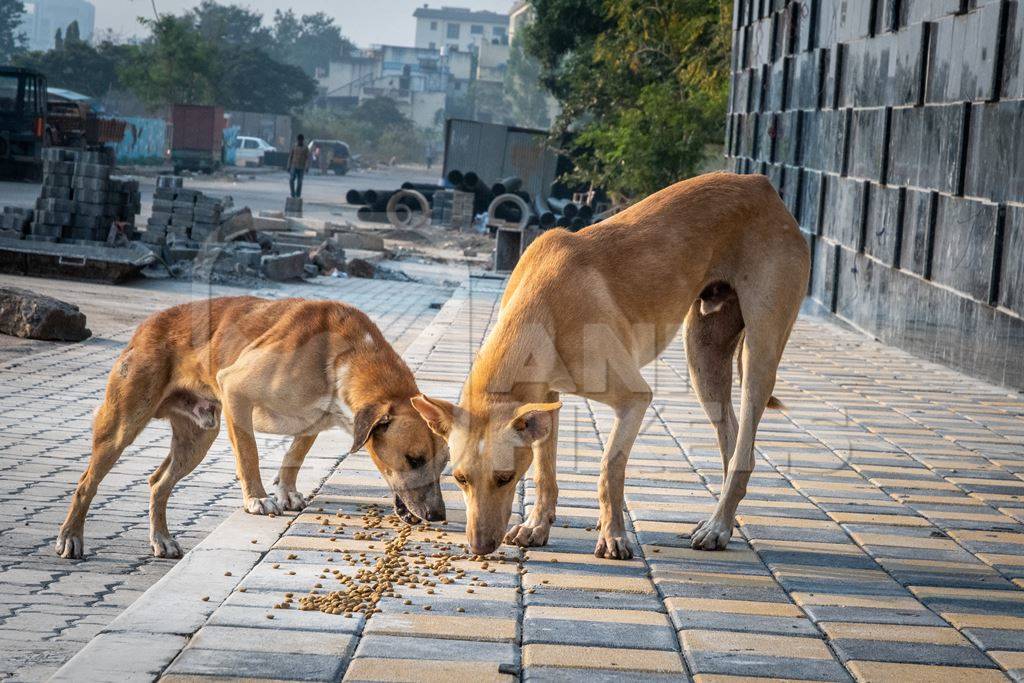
(197, 139)
(22, 122)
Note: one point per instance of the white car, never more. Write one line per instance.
(249, 151)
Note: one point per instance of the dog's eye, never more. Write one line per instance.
(503, 477)
(416, 462)
(460, 478)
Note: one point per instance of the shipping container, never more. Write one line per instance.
(197, 138)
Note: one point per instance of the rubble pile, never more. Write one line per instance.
(14, 222)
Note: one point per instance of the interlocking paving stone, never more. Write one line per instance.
(877, 540)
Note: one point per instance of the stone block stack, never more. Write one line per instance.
(15, 222)
(180, 214)
(80, 199)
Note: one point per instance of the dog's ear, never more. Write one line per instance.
(369, 419)
(439, 415)
(533, 421)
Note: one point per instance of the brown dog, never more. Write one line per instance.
(584, 312)
(288, 367)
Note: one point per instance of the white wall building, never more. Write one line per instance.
(459, 28)
(43, 17)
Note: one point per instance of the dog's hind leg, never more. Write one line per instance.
(287, 494)
(711, 341)
(766, 332)
(133, 392)
(535, 530)
(189, 445)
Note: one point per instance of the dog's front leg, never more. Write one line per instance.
(287, 493)
(238, 416)
(535, 530)
(628, 418)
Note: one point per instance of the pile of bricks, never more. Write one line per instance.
(14, 222)
(80, 199)
(181, 214)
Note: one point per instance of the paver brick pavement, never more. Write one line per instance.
(49, 607)
(864, 548)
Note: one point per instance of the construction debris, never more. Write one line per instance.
(35, 316)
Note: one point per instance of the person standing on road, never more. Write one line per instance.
(298, 161)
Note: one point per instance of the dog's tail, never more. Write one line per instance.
(773, 402)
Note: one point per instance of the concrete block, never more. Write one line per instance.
(283, 267)
(252, 664)
(119, 657)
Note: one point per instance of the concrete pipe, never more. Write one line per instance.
(354, 197)
(515, 201)
(402, 215)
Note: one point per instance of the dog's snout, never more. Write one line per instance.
(436, 516)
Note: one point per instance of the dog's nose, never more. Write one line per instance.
(435, 516)
(484, 548)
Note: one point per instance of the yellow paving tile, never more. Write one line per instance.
(886, 672)
(998, 621)
(933, 635)
(938, 500)
(655, 552)
(808, 546)
(855, 501)
(551, 557)
(580, 657)
(899, 541)
(715, 578)
(722, 678)
(865, 518)
(440, 626)
(996, 483)
(1008, 660)
(664, 527)
(965, 516)
(765, 609)
(423, 671)
(747, 643)
(618, 616)
(1001, 559)
(892, 483)
(588, 582)
(979, 593)
(790, 522)
(838, 600)
(988, 536)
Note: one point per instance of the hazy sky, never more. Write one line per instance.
(365, 22)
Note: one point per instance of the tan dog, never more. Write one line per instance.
(289, 367)
(584, 312)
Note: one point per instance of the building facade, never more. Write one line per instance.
(456, 28)
(893, 131)
(43, 18)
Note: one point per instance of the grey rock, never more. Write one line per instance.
(24, 313)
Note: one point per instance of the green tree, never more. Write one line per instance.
(381, 111)
(526, 96)
(642, 84)
(252, 81)
(81, 67)
(73, 33)
(58, 40)
(310, 41)
(176, 65)
(12, 40)
(230, 24)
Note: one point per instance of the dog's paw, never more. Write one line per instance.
(164, 546)
(613, 548)
(70, 545)
(711, 534)
(262, 506)
(528, 535)
(291, 500)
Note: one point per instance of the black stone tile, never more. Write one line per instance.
(1011, 281)
(962, 56)
(925, 147)
(843, 211)
(885, 214)
(787, 137)
(811, 194)
(804, 91)
(910, 653)
(917, 227)
(964, 245)
(1013, 53)
(777, 84)
(823, 135)
(791, 189)
(753, 664)
(916, 11)
(995, 152)
(868, 136)
(884, 70)
(841, 21)
(765, 143)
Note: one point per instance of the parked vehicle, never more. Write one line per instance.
(249, 151)
(338, 156)
(22, 121)
(197, 143)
